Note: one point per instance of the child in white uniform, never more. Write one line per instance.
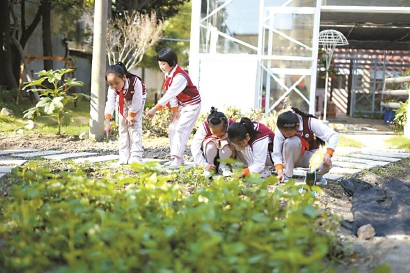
(184, 100)
(129, 92)
(297, 138)
(253, 143)
(210, 144)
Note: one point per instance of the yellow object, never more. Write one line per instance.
(315, 160)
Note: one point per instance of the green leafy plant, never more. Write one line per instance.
(53, 95)
(151, 222)
(400, 118)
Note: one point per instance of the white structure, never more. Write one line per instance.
(259, 53)
(255, 55)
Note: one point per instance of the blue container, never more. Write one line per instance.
(389, 115)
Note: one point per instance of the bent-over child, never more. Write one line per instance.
(253, 143)
(182, 96)
(210, 144)
(128, 91)
(298, 136)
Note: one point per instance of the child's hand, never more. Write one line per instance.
(174, 116)
(210, 167)
(281, 175)
(327, 160)
(130, 120)
(107, 130)
(151, 112)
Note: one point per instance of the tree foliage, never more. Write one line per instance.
(163, 8)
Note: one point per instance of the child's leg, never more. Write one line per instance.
(135, 131)
(225, 152)
(183, 129)
(124, 140)
(210, 152)
(292, 153)
(172, 128)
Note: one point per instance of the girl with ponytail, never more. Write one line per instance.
(128, 92)
(298, 136)
(253, 143)
(210, 144)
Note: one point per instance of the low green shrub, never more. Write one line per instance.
(400, 118)
(148, 222)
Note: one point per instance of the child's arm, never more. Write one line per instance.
(196, 146)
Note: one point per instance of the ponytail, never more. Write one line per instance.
(215, 118)
(120, 70)
(238, 130)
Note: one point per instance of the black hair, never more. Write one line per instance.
(289, 120)
(119, 70)
(216, 118)
(238, 130)
(169, 56)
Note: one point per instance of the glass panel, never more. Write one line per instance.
(374, 3)
(224, 31)
(292, 34)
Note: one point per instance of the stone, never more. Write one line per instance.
(7, 112)
(30, 125)
(84, 135)
(366, 232)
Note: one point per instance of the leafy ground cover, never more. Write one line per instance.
(61, 217)
(95, 220)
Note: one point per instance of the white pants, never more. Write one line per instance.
(293, 157)
(130, 137)
(211, 152)
(180, 129)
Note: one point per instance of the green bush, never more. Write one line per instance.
(400, 118)
(148, 222)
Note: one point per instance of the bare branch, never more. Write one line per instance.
(130, 37)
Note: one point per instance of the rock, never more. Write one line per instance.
(20, 131)
(84, 135)
(30, 125)
(7, 112)
(366, 232)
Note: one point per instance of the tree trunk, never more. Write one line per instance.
(6, 69)
(46, 26)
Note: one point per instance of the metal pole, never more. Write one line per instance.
(325, 99)
(98, 86)
(195, 43)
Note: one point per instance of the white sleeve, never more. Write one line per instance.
(110, 103)
(278, 141)
(196, 145)
(136, 105)
(260, 153)
(179, 83)
(324, 132)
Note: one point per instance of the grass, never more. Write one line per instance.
(46, 124)
(349, 142)
(400, 142)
